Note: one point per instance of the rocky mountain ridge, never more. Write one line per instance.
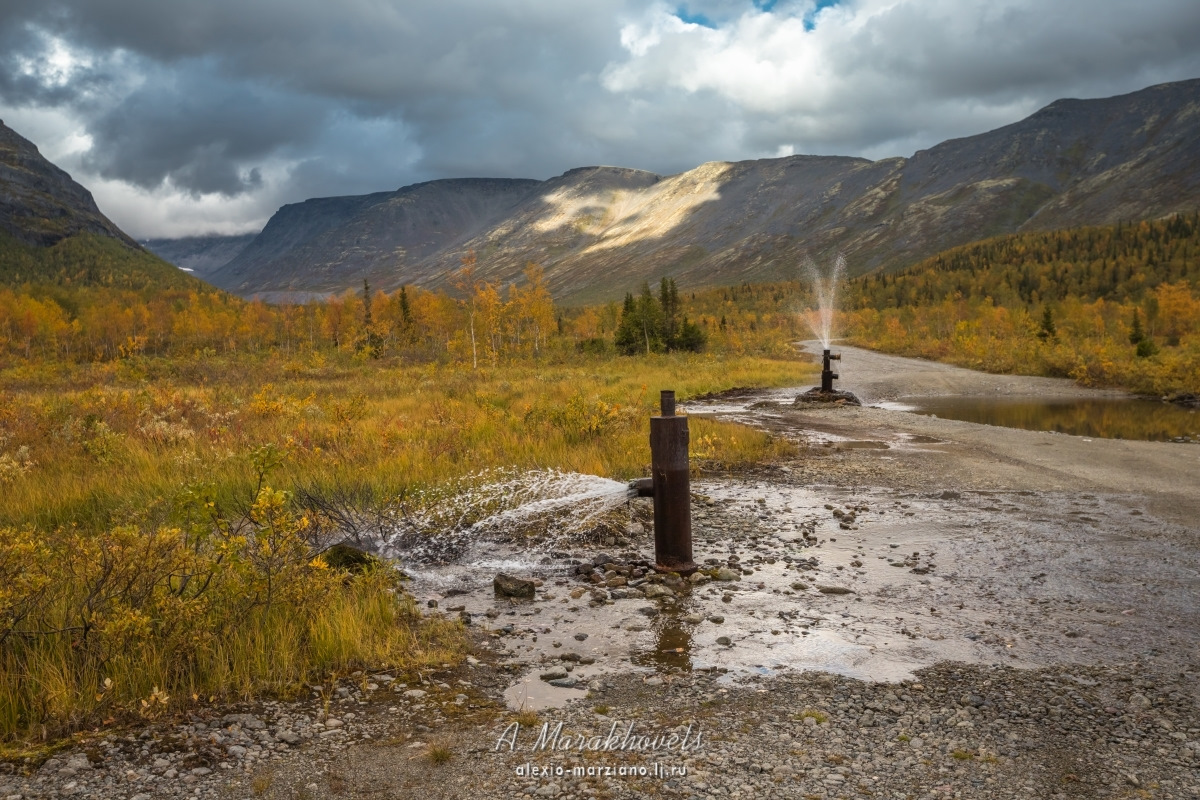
(600, 231)
(39, 203)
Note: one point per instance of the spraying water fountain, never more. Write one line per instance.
(821, 323)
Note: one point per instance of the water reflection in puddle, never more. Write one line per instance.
(672, 648)
(1148, 420)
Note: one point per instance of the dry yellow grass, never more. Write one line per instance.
(154, 550)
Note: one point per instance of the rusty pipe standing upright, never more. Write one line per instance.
(827, 373)
(672, 490)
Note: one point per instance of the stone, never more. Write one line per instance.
(800, 587)
(579, 637)
(725, 640)
(510, 586)
(247, 722)
(698, 578)
(1139, 701)
(834, 590)
(569, 682)
(654, 590)
(727, 574)
(236, 750)
(554, 674)
(416, 694)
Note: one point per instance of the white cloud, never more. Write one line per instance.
(870, 73)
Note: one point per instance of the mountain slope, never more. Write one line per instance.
(52, 233)
(39, 203)
(600, 231)
(200, 255)
(335, 242)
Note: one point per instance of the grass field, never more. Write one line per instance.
(163, 518)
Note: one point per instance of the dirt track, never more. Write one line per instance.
(1161, 478)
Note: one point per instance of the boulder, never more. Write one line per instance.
(510, 586)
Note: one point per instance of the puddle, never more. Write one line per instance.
(980, 577)
(1148, 420)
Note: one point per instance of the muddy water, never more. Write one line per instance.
(1147, 420)
(863, 580)
(1008, 578)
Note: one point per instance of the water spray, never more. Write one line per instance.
(821, 321)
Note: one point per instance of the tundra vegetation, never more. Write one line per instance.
(175, 461)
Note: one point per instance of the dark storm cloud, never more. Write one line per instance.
(278, 100)
(200, 131)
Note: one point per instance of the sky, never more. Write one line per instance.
(204, 116)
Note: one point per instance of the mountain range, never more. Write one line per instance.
(600, 231)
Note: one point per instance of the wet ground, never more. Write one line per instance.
(911, 607)
(894, 542)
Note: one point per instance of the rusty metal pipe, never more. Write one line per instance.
(672, 490)
(827, 374)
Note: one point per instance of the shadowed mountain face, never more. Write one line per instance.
(39, 203)
(199, 255)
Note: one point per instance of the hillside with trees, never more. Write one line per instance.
(1116, 305)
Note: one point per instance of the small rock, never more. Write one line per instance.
(1139, 701)
(510, 586)
(725, 640)
(579, 637)
(800, 587)
(247, 722)
(727, 574)
(834, 590)
(554, 674)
